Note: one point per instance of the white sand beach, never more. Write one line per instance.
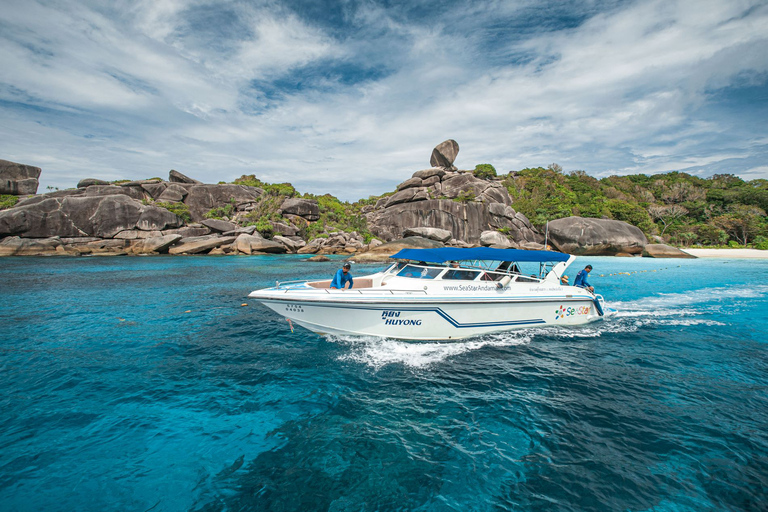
(727, 253)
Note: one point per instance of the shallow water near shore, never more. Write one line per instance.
(143, 384)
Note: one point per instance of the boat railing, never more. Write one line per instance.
(362, 291)
(278, 283)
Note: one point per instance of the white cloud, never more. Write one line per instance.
(626, 91)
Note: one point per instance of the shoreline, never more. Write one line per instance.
(728, 253)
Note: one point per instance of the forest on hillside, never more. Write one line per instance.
(679, 208)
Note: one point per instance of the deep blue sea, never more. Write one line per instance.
(140, 384)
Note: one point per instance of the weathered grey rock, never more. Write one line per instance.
(198, 246)
(136, 192)
(284, 229)
(248, 230)
(374, 243)
(305, 208)
(291, 245)
(158, 244)
(412, 242)
(135, 234)
(311, 248)
(77, 216)
(426, 174)
(18, 179)
(173, 193)
(202, 198)
(532, 246)
(488, 238)
(444, 154)
(465, 221)
(664, 251)
(177, 177)
(441, 235)
(155, 189)
(595, 237)
(16, 246)
(87, 182)
(499, 209)
(409, 183)
(402, 196)
(217, 225)
(42, 197)
(188, 231)
(139, 183)
(457, 184)
(319, 257)
(248, 244)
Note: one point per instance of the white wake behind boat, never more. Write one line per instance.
(424, 297)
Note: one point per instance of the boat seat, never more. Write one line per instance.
(359, 283)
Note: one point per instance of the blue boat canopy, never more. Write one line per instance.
(443, 254)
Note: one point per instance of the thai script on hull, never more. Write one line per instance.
(391, 318)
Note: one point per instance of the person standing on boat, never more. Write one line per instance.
(581, 279)
(342, 277)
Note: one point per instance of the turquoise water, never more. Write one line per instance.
(143, 384)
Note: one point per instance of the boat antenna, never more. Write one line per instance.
(546, 235)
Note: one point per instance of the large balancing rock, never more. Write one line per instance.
(18, 179)
(595, 237)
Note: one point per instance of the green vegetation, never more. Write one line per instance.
(484, 171)
(276, 189)
(224, 211)
(465, 196)
(681, 208)
(8, 201)
(336, 215)
(179, 209)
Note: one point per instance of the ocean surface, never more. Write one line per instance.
(140, 384)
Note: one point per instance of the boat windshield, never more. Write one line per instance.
(420, 272)
(464, 275)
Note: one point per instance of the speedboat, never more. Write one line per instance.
(442, 294)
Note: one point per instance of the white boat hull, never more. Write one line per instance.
(431, 320)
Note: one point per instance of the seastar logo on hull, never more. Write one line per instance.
(563, 311)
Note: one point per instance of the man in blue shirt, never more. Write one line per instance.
(342, 277)
(581, 279)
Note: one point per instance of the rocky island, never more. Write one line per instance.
(437, 206)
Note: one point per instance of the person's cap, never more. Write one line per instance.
(589, 267)
(346, 265)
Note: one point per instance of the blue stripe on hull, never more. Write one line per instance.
(439, 311)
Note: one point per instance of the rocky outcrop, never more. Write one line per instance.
(439, 235)
(305, 208)
(444, 154)
(203, 244)
(202, 198)
(16, 246)
(77, 216)
(249, 244)
(176, 177)
(595, 237)
(494, 239)
(18, 179)
(87, 182)
(664, 251)
(338, 242)
(382, 252)
(465, 221)
(454, 201)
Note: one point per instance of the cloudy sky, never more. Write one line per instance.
(350, 97)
